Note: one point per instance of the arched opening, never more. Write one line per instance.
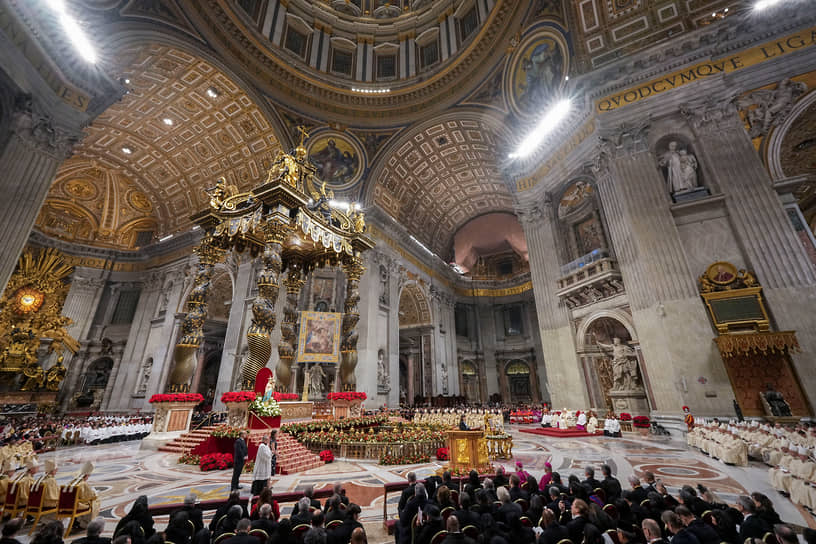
(470, 380)
(93, 383)
(518, 380)
(606, 374)
(415, 325)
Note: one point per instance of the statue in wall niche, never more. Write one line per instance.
(444, 379)
(147, 369)
(383, 284)
(382, 370)
(316, 376)
(624, 365)
(680, 169)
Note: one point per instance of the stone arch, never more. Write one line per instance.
(414, 306)
(617, 314)
(519, 374)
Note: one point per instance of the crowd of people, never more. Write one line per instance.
(337, 521)
(521, 509)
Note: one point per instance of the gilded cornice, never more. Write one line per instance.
(291, 81)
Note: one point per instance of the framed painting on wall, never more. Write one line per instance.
(319, 339)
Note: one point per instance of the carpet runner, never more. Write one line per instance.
(561, 433)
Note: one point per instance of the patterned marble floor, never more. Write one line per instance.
(123, 472)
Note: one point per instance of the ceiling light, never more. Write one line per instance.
(212, 92)
(195, 227)
(725, 10)
(165, 238)
(762, 4)
(127, 81)
(370, 91)
(566, 78)
(547, 124)
(339, 204)
(167, 121)
(126, 150)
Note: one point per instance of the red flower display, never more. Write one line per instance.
(347, 395)
(285, 396)
(215, 461)
(442, 454)
(326, 456)
(177, 397)
(625, 416)
(238, 396)
(641, 422)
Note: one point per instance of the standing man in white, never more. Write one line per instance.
(263, 467)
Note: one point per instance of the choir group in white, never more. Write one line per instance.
(101, 430)
(789, 451)
(568, 419)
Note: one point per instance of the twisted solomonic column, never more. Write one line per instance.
(263, 308)
(192, 333)
(353, 267)
(286, 348)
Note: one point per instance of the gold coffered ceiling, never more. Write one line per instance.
(438, 177)
(226, 135)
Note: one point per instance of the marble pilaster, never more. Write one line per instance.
(560, 362)
(669, 317)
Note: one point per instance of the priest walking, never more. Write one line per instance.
(238, 458)
(263, 467)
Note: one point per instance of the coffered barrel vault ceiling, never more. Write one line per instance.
(180, 140)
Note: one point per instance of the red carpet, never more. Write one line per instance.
(560, 433)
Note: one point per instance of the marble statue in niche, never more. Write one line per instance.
(147, 369)
(679, 168)
(383, 385)
(383, 285)
(624, 365)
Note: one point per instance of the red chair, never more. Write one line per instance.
(35, 507)
(525, 521)
(439, 537)
(260, 534)
(613, 534)
(68, 507)
(454, 496)
(471, 531)
(523, 503)
(600, 493)
(446, 512)
(11, 508)
(611, 511)
(333, 524)
(299, 531)
(220, 538)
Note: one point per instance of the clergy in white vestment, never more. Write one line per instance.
(263, 467)
(582, 421)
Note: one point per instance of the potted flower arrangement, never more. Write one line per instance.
(177, 397)
(280, 397)
(442, 454)
(642, 424)
(215, 461)
(326, 456)
(188, 458)
(265, 409)
(238, 396)
(626, 422)
(347, 395)
(227, 431)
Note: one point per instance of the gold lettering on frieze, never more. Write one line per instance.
(745, 59)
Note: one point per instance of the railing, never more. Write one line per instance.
(210, 418)
(589, 258)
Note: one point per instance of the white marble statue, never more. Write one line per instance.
(624, 365)
(681, 169)
(316, 375)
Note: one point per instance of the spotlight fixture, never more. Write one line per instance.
(126, 150)
(547, 124)
(212, 92)
(167, 121)
(165, 238)
(127, 81)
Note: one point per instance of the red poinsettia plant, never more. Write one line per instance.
(347, 395)
(326, 456)
(442, 454)
(285, 396)
(625, 416)
(238, 396)
(215, 461)
(177, 397)
(641, 422)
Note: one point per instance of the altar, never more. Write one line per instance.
(468, 450)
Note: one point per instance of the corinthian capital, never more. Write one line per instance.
(39, 130)
(767, 108)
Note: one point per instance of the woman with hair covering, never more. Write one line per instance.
(140, 514)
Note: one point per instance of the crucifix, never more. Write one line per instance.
(303, 134)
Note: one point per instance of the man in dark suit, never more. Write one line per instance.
(580, 513)
(193, 512)
(408, 492)
(500, 479)
(265, 521)
(242, 534)
(675, 526)
(508, 510)
(651, 532)
(94, 529)
(239, 458)
(637, 491)
(610, 484)
(704, 532)
(516, 491)
(752, 526)
(590, 482)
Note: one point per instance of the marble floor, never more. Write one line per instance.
(123, 472)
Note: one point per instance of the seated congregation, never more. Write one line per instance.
(521, 509)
